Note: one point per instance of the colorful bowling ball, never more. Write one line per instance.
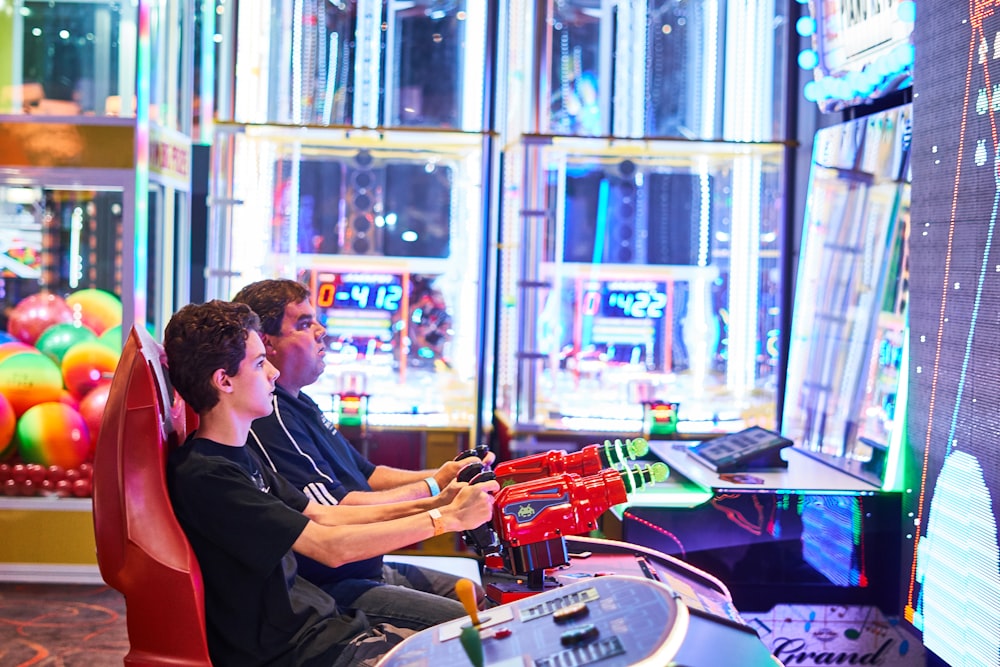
(92, 409)
(36, 313)
(53, 434)
(96, 309)
(8, 420)
(112, 338)
(58, 338)
(29, 379)
(16, 347)
(85, 364)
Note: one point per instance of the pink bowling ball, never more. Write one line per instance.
(36, 313)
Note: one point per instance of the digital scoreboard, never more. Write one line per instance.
(639, 300)
(379, 292)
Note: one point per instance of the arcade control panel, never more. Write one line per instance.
(606, 621)
(614, 621)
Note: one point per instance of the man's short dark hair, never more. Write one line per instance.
(268, 299)
(199, 340)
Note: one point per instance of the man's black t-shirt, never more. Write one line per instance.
(241, 521)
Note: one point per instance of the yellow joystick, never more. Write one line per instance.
(466, 592)
(471, 641)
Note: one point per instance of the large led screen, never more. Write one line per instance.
(952, 583)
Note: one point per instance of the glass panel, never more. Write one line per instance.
(403, 64)
(644, 273)
(847, 351)
(170, 78)
(577, 70)
(294, 62)
(59, 240)
(661, 68)
(386, 230)
(682, 70)
(72, 60)
(156, 203)
(423, 73)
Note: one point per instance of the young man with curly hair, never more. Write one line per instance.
(245, 523)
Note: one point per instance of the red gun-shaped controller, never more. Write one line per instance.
(589, 460)
(532, 519)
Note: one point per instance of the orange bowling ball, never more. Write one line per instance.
(85, 364)
(28, 379)
(96, 309)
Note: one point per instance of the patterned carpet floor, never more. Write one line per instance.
(45, 625)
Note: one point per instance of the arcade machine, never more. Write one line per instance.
(94, 199)
(565, 598)
(643, 222)
(803, 522)
(358, 167)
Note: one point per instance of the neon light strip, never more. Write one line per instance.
(297, 55)
(76, 261)
(859, 533)
(206, 92)
(141, 222)
(744, 276)
(711, 71)
(473, 66)
(602, 221)
(704, 213)
(894, 465)
(658, 529)
(366, 63)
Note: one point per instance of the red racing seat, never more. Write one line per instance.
(141, 549)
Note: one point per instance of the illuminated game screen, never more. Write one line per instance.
(622, 321)
(846, 371)
(389, 337)
(952, 580)
(358, 311)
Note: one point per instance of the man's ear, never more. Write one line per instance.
(266, 340)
